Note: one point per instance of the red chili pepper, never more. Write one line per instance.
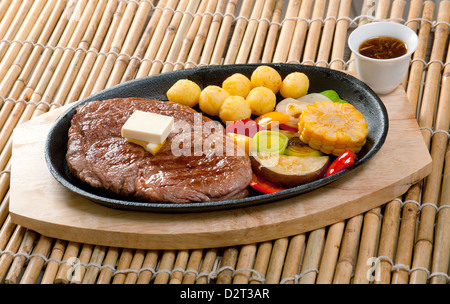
(264, 186)
(344, 161)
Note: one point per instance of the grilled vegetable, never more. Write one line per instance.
(245, 142)
(264, 186)
(333, 127)
(294, 107)
(344, 161)
(289, 171)
(333, 96)
(247, 127)
(289, 128)
(272, 119)
(296, 147)
(270, 142)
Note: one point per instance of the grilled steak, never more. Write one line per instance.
(197, 163)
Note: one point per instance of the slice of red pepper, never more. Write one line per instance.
(264, 186)
(288, 128)
(247, 127)
(343, 161)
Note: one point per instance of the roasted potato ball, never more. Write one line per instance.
(266, 76)
(234, 108)
(261, 100)
(294, 85)
(211, 99)
(185, 92)
(237, 84)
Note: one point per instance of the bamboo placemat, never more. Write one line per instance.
(54, 52)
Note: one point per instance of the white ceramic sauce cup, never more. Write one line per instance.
(383, 75)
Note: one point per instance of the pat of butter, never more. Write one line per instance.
(149, 127)
(148, 146)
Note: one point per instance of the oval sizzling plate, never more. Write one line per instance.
(155, 87)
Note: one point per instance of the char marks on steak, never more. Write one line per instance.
(181, 172)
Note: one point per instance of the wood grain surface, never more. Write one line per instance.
(40, 203)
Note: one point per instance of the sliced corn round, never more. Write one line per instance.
(333, 127)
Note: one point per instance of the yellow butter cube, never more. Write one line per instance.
(148, 127)
(148, 146)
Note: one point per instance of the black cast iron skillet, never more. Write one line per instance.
(155, 87)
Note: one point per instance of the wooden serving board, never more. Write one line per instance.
(40, 203)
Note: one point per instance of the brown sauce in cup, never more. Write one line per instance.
(382, 47)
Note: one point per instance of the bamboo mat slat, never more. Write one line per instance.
(55, 52)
